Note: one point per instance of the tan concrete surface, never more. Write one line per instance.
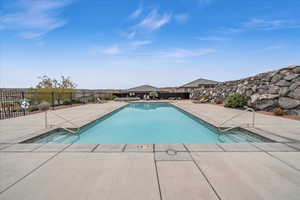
(22, 147)
(139, 148)
(170, 146)
(52, 147)
(203, 147)
(14, 129)
(110, 148)
(249, 175)
(3, 145)
(80, 148)
(274, 147)
(291, 158)
(238, 147)
(179, 156)
(294, 145)
(216, 114)
(110, 176)
(182, 180)
(14, 166)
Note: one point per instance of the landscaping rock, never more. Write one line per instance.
(283, 83)
(267, 91)
(284, 91)
(274, 89)
(296, 93)
(291, 77)
(294, 86)
(263, 104)
(276, 78)
(288, 103)
(296, 69)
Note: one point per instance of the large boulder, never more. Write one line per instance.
(283, 83)
(291, 77)
(294, 86)
(276, 78)
(284, 91)
(288, 103)
(296, 69)
(274, 89)
(264, 104)
(296, 93)
(258, 97)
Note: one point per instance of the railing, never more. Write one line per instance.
(65, 120)
(237, 115)
(11, 100)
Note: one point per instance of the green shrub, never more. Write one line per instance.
(76, 101)
(109, 98)
(236, 101)
(67, 102)
(33, 108)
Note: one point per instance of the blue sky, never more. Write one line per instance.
(121, 44)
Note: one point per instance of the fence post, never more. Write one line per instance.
(52, 99)
(71, 98)
(24, 111)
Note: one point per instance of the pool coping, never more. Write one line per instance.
(260, 133)
(163, 148)
(49, 130)
(254, 130)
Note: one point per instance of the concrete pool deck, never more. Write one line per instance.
(150, 171)
(18, 129)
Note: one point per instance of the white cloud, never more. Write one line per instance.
(257, 23)
(183, 53)
(154, 20)
(130, 50)
(136, 44)
(121, 49)
(136, 13)
(111, 50)
(261, 24)
(34, 18)
(131, 34)
(181, 18)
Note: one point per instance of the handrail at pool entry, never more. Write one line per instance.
(68, 121)
(238, 126)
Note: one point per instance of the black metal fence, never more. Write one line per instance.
(14, 103)
(19, 103)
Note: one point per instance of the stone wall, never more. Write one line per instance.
(266, 91)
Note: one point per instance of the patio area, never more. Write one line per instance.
(150, 171)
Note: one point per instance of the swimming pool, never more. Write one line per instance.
(148, 123)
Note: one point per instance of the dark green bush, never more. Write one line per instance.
(33, 108)
(236, 101)
(108, 98)
(76, 101)
(67, 103)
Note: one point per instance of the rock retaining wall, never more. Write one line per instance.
(266, 91)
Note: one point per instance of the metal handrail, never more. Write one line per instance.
(68, 121)
(230, 128)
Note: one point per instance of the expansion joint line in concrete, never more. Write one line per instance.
(282, 161)
(203, 174)
(157, 177)
(33, 170)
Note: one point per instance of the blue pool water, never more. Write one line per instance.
(148, 123)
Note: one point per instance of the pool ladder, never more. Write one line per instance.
(252, 124)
